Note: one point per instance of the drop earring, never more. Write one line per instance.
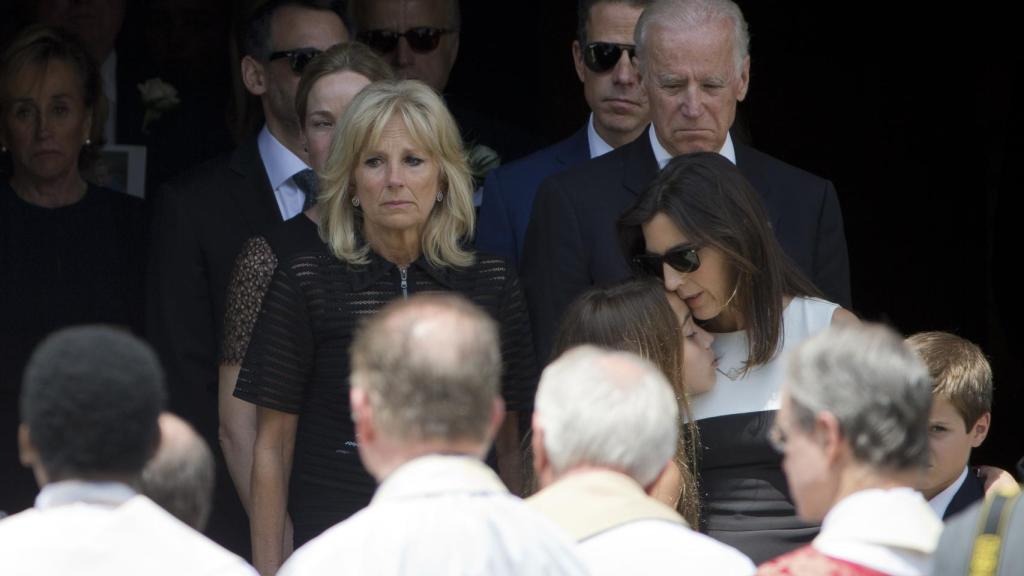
(355, 202)
(440, 196)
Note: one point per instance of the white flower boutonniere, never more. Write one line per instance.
(158, 97)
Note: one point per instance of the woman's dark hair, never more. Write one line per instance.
(37, 46)
(707, 197)
(636, 317)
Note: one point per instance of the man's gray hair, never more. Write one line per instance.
(181, 476)
(875, 386)
(688, 15)
(610, 409)
(431, 366)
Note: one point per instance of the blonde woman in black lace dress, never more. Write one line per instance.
(396, 216)
(327, 86)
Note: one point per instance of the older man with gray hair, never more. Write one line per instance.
(853, 431)
(694, 63)
(604, 430)
(426, 405)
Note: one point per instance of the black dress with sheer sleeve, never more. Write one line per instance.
(253, 271)
(297, 362)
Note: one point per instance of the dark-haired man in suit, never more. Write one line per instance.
(601, 54)
(203, 218)
(694, 65)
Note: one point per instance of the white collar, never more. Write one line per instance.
(941, 501)
(597, 145)
(281, 164)
(662, 156)
(71, 491)
(435, 474)
(890, 530)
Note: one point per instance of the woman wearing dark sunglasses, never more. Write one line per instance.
(702, 230)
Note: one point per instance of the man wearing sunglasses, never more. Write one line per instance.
(602, 54)
(694, 65)
(419, 38)
(203, 218)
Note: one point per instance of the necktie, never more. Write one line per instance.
(309, 183)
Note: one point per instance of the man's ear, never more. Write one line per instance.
(254, 76)
(540, 456)
(826, 428)
(979, 431)
(27, 453)
(362, 415)
(744, 80)
(577, 59)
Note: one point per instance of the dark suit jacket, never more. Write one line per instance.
(972, 490)
(510, 189)
(201, 221)
(572, 241)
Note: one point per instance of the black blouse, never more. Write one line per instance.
(297, 362)
(76, 264)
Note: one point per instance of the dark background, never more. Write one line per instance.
(908, 110)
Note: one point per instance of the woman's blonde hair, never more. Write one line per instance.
(432, 128)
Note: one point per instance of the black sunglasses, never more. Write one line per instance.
(422, 39)
(298, 59)
(683, 258)
(603, 56)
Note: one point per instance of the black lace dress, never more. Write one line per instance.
(297, 361)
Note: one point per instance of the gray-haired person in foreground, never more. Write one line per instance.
(853, 431)
(604, 431)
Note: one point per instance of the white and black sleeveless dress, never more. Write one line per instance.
(746, 502)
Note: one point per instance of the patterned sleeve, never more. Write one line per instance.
(250, 279)
(279, 361)
(519, 383)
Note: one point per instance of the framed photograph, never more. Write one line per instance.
(123, 168)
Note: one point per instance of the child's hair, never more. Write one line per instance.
(959, 370)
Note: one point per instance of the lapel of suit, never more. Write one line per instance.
(639, 165)
(254, 198)
(574, 149)
(752, 168)
(970, 492)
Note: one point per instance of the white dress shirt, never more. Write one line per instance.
(941, 501)
(662, 156)
(446, 515)
(281, 164)
(893, 531)
(93, 529)
(596, 144)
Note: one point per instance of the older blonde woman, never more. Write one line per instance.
(396, 212)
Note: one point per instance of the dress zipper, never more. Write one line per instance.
(404, 271)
